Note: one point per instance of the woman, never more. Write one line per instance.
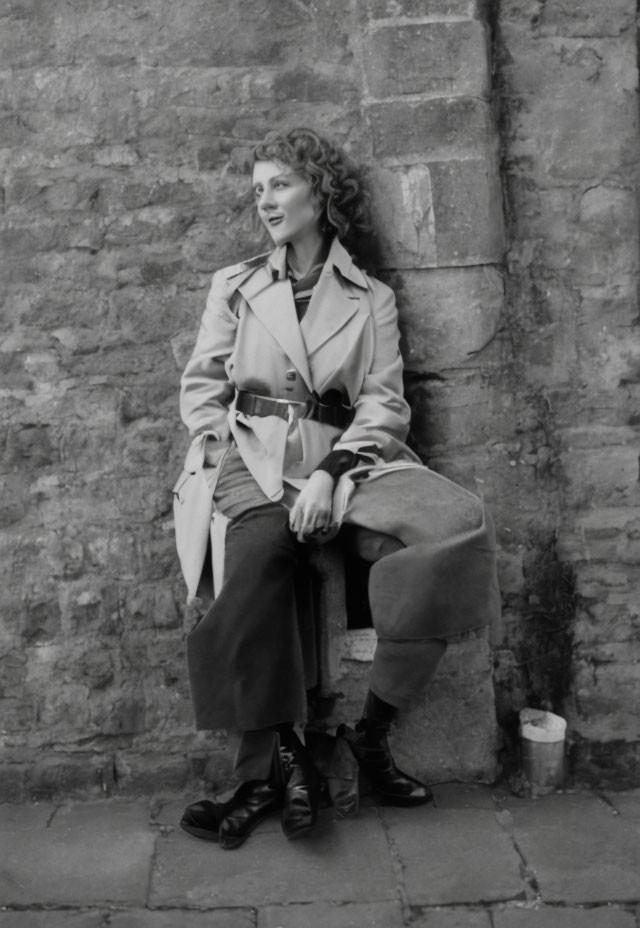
(294, 382)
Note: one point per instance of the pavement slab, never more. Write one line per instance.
(49, 919)
(326, 915)
(452, 918)
(88, 854)
(579, 848)
(627, 804)
(132, 918)
(27, 817)
(561, 917)
(454, 856)
(343, 860)
(179, 918)
(463, 796)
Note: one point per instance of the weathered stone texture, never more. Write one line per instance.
(442, 58)
(568, 76)
(124, 152)
(125, 140)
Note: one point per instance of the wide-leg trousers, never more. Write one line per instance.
(433, 575)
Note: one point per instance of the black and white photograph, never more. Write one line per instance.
(320, 464)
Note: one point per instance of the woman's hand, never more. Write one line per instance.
(311, 513)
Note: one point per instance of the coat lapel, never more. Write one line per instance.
(330, 309)
(272, 303)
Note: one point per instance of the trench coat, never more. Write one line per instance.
(443, 580)
(250, 339)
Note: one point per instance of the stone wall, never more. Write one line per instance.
(126, 133)
(567, 80)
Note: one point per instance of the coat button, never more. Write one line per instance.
(291, 375)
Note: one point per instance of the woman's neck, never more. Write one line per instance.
(302, 256)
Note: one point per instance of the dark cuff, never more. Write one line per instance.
(337, 463)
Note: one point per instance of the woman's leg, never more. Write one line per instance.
(245, 656)
(247, 671)
(433, 574)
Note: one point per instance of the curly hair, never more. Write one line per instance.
(336, 180)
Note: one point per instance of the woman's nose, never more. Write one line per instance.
(265, 199)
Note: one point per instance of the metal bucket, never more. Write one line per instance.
(542, 737)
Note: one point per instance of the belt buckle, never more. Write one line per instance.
(299, 410)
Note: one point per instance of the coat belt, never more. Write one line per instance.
(252, 404)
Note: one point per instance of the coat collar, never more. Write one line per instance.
(337, 259)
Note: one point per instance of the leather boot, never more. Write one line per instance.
(202, 819)
(302, 789)
(253, 801)
(371, 749)
(338, 769)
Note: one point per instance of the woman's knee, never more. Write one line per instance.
(260, 535)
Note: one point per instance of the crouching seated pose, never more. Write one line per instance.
(294, 402)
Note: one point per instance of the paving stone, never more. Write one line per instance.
(90, 853)
(578, 848)
(445, 859)
(342, 861)
(135, 918)
(49, 919)
(627, 803)
(325, 915)
(17, 817)
(179, 918)
(558, 917)
(463, 796)
(452, 918)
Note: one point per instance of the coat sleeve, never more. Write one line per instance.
(206, 391)
(382, 414)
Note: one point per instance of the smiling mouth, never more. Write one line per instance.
(275, 220)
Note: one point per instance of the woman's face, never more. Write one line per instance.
(286, 204)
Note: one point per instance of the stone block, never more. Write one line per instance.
(607, 698)
(356, 867)
(449, 317)
(563, 917)
(583, 856)
(431, 129)
(454, 415)
(467, 205)
(440, 214)
(404, 214)
(587, 18)
(600, 475)
(91, 853)
(439, 58)
(605, 534)
(324, 914)
(422, 9)
(452, 917)
(574, 135)
(478, 877)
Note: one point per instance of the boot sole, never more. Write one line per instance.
(205, 833)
